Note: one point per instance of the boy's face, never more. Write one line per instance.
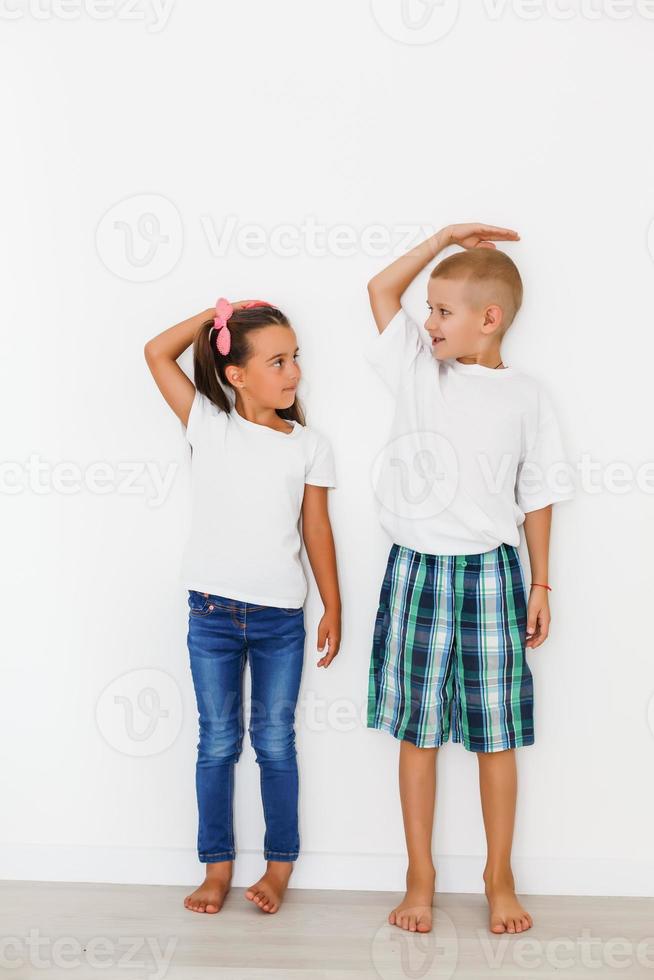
(456, 327)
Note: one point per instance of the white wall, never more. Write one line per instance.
(281, 114)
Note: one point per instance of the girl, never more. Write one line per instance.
(255, 467)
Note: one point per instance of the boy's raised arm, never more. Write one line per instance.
(386, 288)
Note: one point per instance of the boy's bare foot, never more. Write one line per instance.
(414, 912)
(506, 912)
(209, 897)
(268, 891)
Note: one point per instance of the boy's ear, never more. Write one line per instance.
(493, 319)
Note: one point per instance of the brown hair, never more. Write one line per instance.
(209, 365)
(490, 268)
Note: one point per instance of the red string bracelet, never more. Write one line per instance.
(541, 584)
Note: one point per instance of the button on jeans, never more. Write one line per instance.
(222, 634)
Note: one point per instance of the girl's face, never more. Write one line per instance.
(272, 373)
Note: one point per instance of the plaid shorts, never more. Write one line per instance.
(448, 651)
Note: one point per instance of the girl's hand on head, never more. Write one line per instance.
(329, 631)
(479, 236)
(240, 303)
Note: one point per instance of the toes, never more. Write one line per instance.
(261, 899)
(498, 927)
(391, 918)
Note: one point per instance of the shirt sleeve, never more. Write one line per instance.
(321, 470)
(202, 409)
(395, 351)
(543, 475)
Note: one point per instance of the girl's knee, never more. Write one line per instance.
(276, 745)
(219, 747)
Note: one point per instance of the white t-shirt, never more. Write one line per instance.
(247, 486)
(471, 450)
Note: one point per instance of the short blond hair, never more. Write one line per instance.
(492, 276)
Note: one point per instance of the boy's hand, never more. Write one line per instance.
(329, 631)
(538, 617)
(478, 236)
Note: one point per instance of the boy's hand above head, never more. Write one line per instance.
(479, 236)
(386, 288)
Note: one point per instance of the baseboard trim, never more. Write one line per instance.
(355, 871)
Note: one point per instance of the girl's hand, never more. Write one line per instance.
(538, 617)
(240, 303)
(329, 630)
(478, 236)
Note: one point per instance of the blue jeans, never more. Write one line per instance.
(222, 634)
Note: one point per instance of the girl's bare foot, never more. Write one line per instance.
(414, 912)
(506, 912)
(209, 897)
(268, 892)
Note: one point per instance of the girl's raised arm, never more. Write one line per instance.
(161, 354)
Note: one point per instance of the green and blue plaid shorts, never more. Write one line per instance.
(448, 652)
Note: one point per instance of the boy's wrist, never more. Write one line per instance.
(445, 235)
(441, 239)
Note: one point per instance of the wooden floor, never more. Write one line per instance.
(84, 931)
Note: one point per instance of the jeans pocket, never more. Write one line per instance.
(199, 604)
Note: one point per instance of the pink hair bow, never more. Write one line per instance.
(224, 310)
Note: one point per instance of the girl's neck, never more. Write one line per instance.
(261, 416)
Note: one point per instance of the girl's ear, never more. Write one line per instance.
(233, 375)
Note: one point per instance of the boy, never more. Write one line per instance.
(475, 450)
